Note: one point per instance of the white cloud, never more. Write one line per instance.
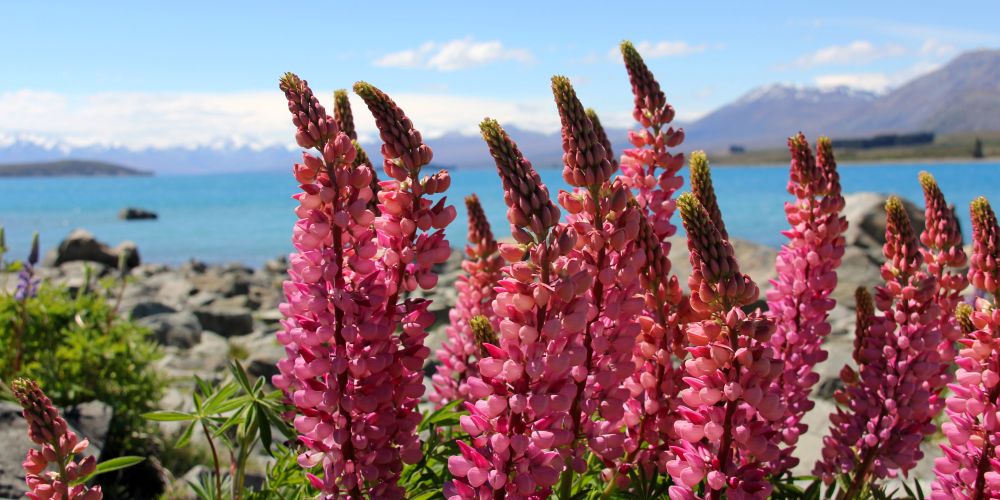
(658, 50)
(453, 55)
(937, 48)
(139, 120)
(857, 52)
(876, 82)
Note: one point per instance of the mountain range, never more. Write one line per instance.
(961, 96)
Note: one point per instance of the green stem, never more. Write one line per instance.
(215, 460)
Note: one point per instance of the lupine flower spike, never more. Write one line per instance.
(799, 298)
(606, 226)
(944, 255)
(729, 409)
(520, 424)
(52, 469)
(459, 354)
(345, 121)
(890, 408)
(353, 379)
(969, 467)
(649, 169)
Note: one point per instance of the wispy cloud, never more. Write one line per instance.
(454, 55)
(937, 48)
(875, 81)
(856, 53)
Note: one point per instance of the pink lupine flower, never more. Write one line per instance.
(969, 467)
(729, 408)
(701, 187)
(889, 404)
(476, 289)
(521, 420)
(649, 169)
(944, 255)
(51, 469)
(345, 122)
(605, 225)
(656, 381)
(799, 298)
(353, 379)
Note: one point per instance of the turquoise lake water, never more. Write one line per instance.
(248, 217)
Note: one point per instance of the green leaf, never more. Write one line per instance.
(109, 466)
(168, 416)
(185, 437)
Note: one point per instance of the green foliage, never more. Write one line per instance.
(79, 350)
(236, 417)
(439, 432)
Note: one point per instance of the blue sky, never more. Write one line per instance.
(185, 73)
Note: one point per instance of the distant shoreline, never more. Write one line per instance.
(69, 168)
(724, 163)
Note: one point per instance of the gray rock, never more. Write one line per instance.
(227, 321)
(865, 213)
(171, 288)
(262, 353)
(133, 213)
(207, 359)
(857, 268)
(149, 308)
(226, 283)
(178, 329)
(79, 274)
(83, 246)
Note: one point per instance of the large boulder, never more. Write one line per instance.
(865, 213)
(81, 245)
(178, 329)
(225, 320)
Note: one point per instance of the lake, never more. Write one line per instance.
(248, 217)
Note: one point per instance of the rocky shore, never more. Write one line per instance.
(205, 315)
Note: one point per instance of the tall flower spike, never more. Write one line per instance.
(354, 350)
(969, 467)
(729, 410)
(519, 425)
(528, 203)
(701, 186)
(944, 255)
(27, 283)
(650, 104)
(891, 408)
(585, 160)
(403, 147)
(799, 298)
(59, 449)
(602, 136)
(649, 169)
(605, 225)
(342, 114)
(460, 352)
(984, 268)
(314, 126)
